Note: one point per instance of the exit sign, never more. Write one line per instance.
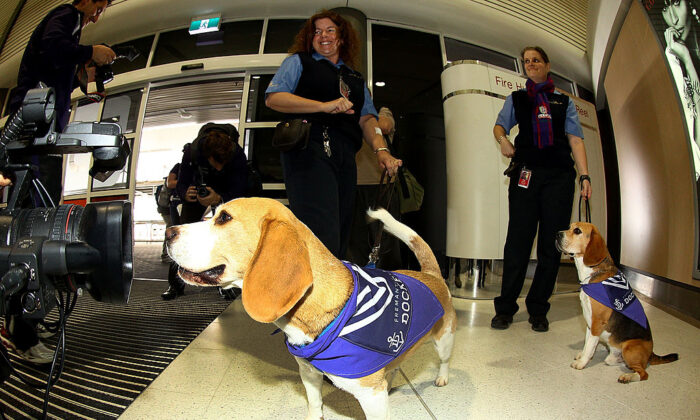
(200, 25)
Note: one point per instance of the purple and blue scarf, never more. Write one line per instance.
(616, 293)
(541, 112)
(386, 314)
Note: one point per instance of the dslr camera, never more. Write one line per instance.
(105, 74)
(64, 248)
(202, 190)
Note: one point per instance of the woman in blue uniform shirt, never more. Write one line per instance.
(318, 84)
(541, 189)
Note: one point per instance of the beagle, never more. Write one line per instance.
(323, 305)
(613, 313)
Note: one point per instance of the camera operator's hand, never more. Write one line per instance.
(191, 194)
(102, 54)
(211, 199)
(4, 182)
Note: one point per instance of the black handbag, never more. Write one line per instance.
(291, 134)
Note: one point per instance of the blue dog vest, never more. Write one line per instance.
(377, 324)
(616, 293)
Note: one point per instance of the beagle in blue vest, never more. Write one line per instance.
(324, 306)
(612, 312)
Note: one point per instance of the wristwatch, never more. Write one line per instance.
(583, 178)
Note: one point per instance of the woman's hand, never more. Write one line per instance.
(507, 148)
(676, 46)
(586, 189)
(338, 106)
(388, 162)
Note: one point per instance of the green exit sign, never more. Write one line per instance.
(201, 25)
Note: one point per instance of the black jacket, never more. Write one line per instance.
(52, 56)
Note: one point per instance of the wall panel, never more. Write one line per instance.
(656, 188)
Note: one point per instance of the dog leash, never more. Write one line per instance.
(587, 209)
(385, 190)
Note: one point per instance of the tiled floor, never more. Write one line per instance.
(235, 369)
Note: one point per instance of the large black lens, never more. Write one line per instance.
(105, 226)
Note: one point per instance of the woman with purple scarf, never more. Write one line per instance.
(541, 189)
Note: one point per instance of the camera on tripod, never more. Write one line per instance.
(68, 247)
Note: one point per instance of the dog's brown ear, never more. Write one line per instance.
(279, 273)
(596, 250)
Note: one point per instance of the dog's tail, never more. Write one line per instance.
(655, 359)
(424, 254)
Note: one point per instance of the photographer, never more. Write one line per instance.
(53, 56)
(213, 171)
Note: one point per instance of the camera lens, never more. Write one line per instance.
(105, 226)
(202, 191)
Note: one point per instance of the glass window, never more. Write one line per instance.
(280, 34)
(123, 109)
(407, 68)
(257, 110)
(76, 176)
(142, 45)
(174, 114)
(458, 50)
(232, 39)
(258, 142)
(562, 83)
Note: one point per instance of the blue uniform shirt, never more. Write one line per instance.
(287, 78)
(506, 118)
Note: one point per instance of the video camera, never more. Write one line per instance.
(68, 247)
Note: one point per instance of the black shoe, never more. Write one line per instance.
(539, 323)
(173, 292)
(501, 322)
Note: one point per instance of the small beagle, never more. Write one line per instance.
(289, 278)
(613, 313)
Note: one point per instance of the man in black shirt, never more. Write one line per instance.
(53, 56)
(213, 171)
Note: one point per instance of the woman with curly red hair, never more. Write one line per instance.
(317, 83)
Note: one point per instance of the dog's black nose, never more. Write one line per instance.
(170, 233)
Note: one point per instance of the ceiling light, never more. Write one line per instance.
(379, 84)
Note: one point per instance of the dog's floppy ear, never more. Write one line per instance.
(596, 250)
(279, 272)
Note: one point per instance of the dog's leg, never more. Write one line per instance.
(614, 356)
(390, 378)
(312, 379)
(444, 345)
(375, 403)
(586, 354)
(636, 356)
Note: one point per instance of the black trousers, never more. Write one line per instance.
(321, 189)
(547, 203)
(363, 234)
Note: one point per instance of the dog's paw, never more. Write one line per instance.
(626, 378)
(578, 356)
(579, 364)
(441, 381)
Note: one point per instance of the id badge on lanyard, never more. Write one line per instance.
(344, 88)
(525, 176)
